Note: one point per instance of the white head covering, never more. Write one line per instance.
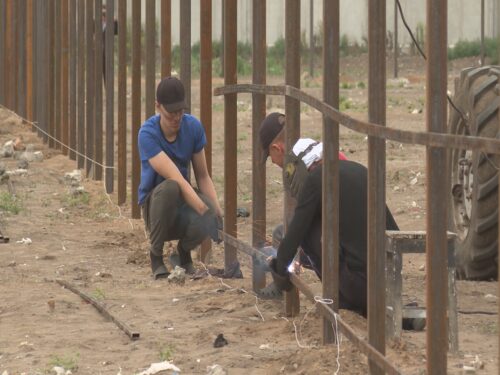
(315, 154)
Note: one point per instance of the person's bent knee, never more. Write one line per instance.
(168, 188)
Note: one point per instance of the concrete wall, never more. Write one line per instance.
(464, 19)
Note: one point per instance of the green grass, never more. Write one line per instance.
(10, 203)
(69, 362)
(77, 199)
(98, 294)
(469, 48)
(166, 352)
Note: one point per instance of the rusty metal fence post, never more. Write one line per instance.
(259, 52)
(109, 74)
(3, 21)
(72, 71)
(292, 112)
(136, 103)
(330, 183)
(90, 92)
(437, 187)
(166, 38)
(185, 44)
(21, 57)
(81, 85)
(376, 180)
(98, 80)
(64, 18)
(230, 125)
(206, 93)
(122, 102)
(150, 62)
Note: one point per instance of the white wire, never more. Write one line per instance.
(298, 332)
(34, 124)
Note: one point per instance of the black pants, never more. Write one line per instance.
(168, 217)
(352, 284)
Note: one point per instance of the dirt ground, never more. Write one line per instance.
(94, 245)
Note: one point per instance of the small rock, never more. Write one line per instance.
(416, 111)
(422, 267)
(220, 341)
(22, 164)
(264, 347)
(469, 370)
(18, 144)
(490, 297)
(12, 264)
(177, 276)
(7, 150)
(216, 370)
(396, 188)
(413, 181)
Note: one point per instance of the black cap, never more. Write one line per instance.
(269, 129)
(170, 93)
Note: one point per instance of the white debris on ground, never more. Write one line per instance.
(73, 181)
(58, 370)
(177, 276)
(216, 370)
(158, 367)
(25, 241)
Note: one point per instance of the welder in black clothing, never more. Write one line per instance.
(305, 229)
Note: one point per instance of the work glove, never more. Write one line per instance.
(282, 281)
(214, 224)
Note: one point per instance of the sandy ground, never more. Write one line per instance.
(93, 245)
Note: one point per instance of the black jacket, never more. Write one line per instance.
(305, 226)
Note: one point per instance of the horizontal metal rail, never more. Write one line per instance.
(326, 311)
(404, 136)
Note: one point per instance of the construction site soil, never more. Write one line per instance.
(91, 243)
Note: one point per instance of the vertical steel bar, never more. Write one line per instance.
(222, 38)
(9, 52)
(122, 102)
(482, 32)
(72, 79)
(396, 49)
(437, 189)
(50, 124)
(292, 111)
(40, 53)
(330, 183)
(166, 38)
(149, 105)
(98, 79)
(57, 74)
(44, 71)
(376, 179)
(311, 38)
(230, 125)
(64, 17)
(259, 52)
(21, 56)
(185, 44)
(90, 78)
(81, 85)
(206, 91)
(110, 93)
(3, 58)
(29, 60)
(136, 103)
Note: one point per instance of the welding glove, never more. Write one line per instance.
(282, 281)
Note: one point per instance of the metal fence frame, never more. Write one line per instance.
(62, 94)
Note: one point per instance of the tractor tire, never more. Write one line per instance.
(474, 174)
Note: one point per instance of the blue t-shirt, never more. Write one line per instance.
(190, 140)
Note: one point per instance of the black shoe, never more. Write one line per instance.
(158, 267)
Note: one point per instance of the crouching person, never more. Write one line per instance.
(172, 208)
(303, 176)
